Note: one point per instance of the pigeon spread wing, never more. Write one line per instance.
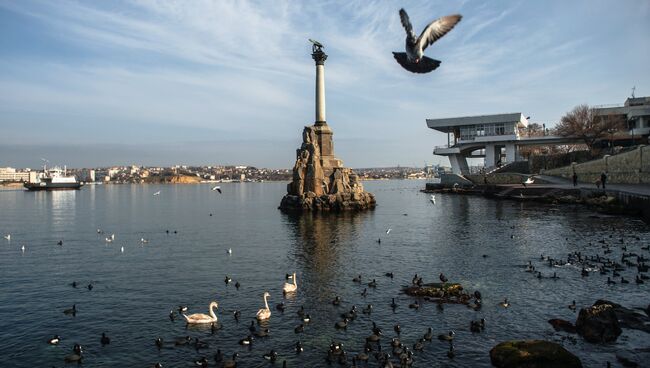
(406, 22)
(436, 29)
(425, 65)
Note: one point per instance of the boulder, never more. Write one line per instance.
(628, 318)
(532, 354)
(562, 325)
(598, 323)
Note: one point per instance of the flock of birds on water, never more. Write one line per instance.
(376, 349)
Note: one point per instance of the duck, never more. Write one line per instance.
(397, 329)
(447, 337)
(572, 306)
(237, 285)
(246, 340)
(90, 287)
(504, 303)
(54, 340)
(271, 356)
(159, 343)
(428, 336)
(172, 315)
(232, 362)
(341, 324)
(414, 305)
(290, 288)
(299, 349)
(75, 356)
(418, 346)
(218, 356)
(364, 292)
(300, 328)
(367, 309)
(74, 284)
(105, 340)
(201, 318)
(624, 281)
(393, 304)
(336, 301)
(363, 356)
(203, 362)
(373, 283)
(477, 295)
(451, 354)
(375, 329)
(60, 242)
(389, 274)
(236, 314)
(72, 310)
(182, 341)
(306, 318)
(610, 282)
(301, 311)
(264, 313)
(443, 278)
(638, 280)
(182, 309)
(227, 280)
(280, 307)
(357, 279)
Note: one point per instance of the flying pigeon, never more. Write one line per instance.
(413, 59)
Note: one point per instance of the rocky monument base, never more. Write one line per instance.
(320, 182)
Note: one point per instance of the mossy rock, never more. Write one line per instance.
(532, 354)
(435, 290)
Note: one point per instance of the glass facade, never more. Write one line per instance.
(469, 132)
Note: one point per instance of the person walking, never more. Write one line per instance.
(603, 178)
(575, 179)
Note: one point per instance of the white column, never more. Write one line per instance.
(458, 164)
(489, 156)
(510, 152)
(320, 92)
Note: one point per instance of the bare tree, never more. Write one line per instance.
(583, 123)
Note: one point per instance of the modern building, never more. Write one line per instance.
(496, 138)
(10, 174)
(635, 111)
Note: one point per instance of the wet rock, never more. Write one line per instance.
(628, 318)
(532, 354)
(598, 323)
(562, 325)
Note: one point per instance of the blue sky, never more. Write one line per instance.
(150, 82)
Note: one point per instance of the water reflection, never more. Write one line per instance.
(320, 246)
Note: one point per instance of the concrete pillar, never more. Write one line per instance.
(490, 155)
(459, 164)
(510, 152)
(320, 93)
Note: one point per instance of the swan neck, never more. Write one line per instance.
(266, 304)
(294, 279)
(213, 305)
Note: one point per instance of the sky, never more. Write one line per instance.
(146, 82)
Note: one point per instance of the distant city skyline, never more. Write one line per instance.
(91, 84)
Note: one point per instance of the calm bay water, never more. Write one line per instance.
(135, 290)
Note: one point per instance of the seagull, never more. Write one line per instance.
(388, 231)
(530, 180)
(157, 193)
(229, 251)
(217, 188)
(143, 240)
(413, 59)
(8, 237)
(109, 240)
(122, 249)
(22, 248)
(433, 198)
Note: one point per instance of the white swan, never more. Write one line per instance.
(264, 313)
(198, 318)
(290, 288)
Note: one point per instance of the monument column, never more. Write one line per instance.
(320, 57)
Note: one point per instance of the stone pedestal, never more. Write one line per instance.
(320, 182)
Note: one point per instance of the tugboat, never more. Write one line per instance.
(53, 179)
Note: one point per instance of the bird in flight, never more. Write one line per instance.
(157, 193)
(217, 188)
(413, 59)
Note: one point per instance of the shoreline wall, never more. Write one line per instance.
(632, 167)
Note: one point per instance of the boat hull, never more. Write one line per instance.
(52, 186)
